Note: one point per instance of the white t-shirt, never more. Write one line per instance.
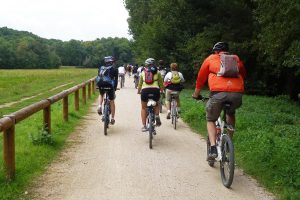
(169, 77)
(121, 70)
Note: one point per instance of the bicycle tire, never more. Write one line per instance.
(211, 163)
(227, 150)
(150, 129)
(106, 118)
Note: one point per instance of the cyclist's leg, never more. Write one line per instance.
(213, 110)
(112, 96)
(236, 101)
(156, 97)
(144, 99)
(168, 105)
(100, 101)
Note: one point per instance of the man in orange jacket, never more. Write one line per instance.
(222, 89)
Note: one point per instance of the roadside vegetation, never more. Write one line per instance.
(267, 139)
(35, 150)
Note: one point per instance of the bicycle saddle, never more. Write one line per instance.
(151, 102)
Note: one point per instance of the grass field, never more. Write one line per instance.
(267, 139)
(18, 84)
(31, 156)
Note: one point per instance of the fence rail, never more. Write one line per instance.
(8, 122)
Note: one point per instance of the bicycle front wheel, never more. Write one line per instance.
(227, 161)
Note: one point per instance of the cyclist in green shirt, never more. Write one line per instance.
(150, 85)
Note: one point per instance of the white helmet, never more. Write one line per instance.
(150, 61)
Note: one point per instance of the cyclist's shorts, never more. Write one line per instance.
(215, 103)
(150, 93)
(111, 93)
(168, 95)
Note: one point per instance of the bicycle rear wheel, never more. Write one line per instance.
(150, 129)
(227, 161)
(106, 118)
(174, 113)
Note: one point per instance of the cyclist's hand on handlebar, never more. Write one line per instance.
(199, 97)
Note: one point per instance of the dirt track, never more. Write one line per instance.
(121, 166)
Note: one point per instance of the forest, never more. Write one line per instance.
(24, 50)
(265, 34)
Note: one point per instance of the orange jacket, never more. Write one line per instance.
(209, 70)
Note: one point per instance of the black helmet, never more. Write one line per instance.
(109, 59)
(220, 46)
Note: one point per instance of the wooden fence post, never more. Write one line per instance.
(9, 150)
(89, 89)
(93, 86)
(47, 118)
(66, 108)
(77, 100)
(84, 94)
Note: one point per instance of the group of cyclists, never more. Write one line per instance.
(156, 79)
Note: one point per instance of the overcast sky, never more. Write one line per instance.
(66, 19)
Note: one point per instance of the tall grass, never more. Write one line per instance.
(267, 139)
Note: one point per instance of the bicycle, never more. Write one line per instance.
(174, 111)
(150, 122)
(224, 145)
(106, 109)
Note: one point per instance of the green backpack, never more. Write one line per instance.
(175, 78)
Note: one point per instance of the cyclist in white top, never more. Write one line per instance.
(173, 82)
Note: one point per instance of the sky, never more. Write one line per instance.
(66, 19)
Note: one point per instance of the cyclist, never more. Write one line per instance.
(135, 73)
(150, 84)
(163, 70)
(122, 72)
(173, 82)
(222, 89)
(140, 69)
(111, 72)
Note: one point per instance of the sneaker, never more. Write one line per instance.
(169, 115)
(144, 129)
(213, 153)
(158, 122)
(112, 121)
(99, 111)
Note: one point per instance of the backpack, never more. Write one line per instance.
(175, 78)
(103, 79)
(149, 76)
(229, 66)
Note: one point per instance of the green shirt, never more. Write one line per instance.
(157, 83)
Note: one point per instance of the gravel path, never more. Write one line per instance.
(121, 166)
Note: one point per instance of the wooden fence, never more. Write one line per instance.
(8, 122)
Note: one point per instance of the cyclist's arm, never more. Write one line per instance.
(202, 77)
(141, 80)
(116, 76)
(242, 69)
(181, 77)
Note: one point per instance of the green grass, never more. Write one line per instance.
(32, 159)
(267, 140)
(18, 84)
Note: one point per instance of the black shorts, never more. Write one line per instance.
(110, 92)
(150, 93)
